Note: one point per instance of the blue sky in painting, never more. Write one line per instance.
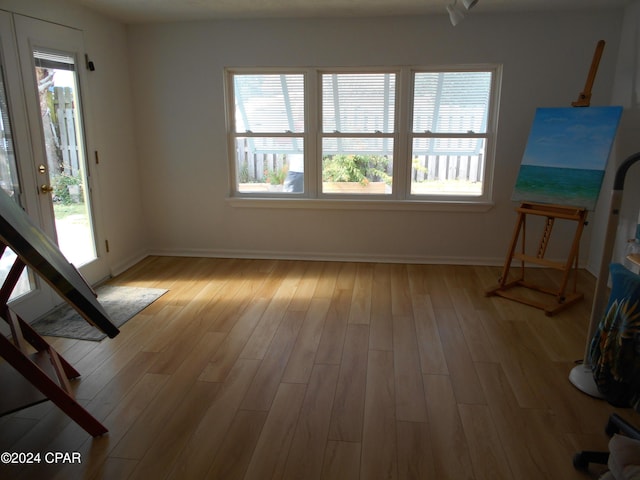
(575, 137)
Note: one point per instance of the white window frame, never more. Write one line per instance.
(394, 135)
(401, 197)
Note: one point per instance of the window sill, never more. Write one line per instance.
(360, 204)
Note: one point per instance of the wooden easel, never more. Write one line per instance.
(584, 99)
(562, 299)
(39, 372)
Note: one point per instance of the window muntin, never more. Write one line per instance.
(442, 122)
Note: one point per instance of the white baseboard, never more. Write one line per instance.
(323, 256)
(122, 266)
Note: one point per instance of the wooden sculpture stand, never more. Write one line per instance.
(39, 373)
(562, 299)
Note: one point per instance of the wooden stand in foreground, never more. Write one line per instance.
(34, 371)
(39, 373)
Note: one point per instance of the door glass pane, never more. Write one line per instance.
(8, 170)
(10, 184)
(66, 163)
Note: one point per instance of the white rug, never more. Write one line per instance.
(120, 303)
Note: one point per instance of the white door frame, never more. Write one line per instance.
(19, 35)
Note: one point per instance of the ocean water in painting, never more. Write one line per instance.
(566, 155)
(565, 186)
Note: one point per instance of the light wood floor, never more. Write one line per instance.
(259, 369)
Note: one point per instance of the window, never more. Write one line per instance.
(269, 132)
(449, 132)
(358, 132)
(380, 134)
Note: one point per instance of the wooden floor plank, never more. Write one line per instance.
(432, 357)
(200, 449)
(234, 455)
(266, 382)
(306, 456)
(510, 422)
(381, 333)
(451, 454)
(348, 408)
(342, 461)
(361, 299)
(272, 448)
(379, 442)
(153, 419)
(415, 452)
(331, 344)
(225, 356)
(470, 321)
(303, 356)
(307, 286)
(260, 339)
(459, 360)
(409, 400)
(487, 455)
(167, 445)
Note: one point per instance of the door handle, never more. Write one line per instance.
(46, 188)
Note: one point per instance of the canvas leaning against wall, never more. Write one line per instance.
(566, 155)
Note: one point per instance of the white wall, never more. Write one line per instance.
(177, 74)
(110, 127)
(626, 92)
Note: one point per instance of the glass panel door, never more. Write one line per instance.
(43, 145)
(10, 184)
(52, 62)
(60, 111)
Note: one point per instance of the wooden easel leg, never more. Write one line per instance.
(514, 243)
(502, 281)
(40, 344)
(572, 261)
(54, 392)
(20, 329)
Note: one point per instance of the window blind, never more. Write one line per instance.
(358, 103)
(451, 102)
(269, 103)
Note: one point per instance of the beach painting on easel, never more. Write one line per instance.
(566, 155)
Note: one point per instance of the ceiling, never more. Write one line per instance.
(146, 11)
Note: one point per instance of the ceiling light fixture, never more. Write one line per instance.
(457, 13)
